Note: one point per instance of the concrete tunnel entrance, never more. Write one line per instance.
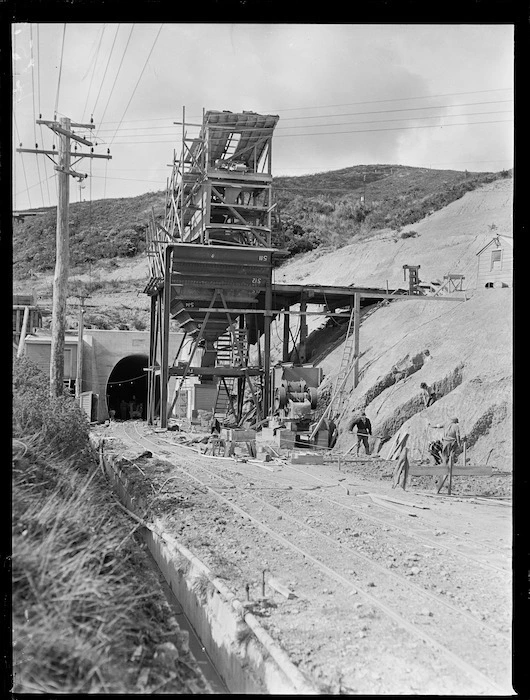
(127, 388)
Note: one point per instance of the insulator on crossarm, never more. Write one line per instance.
(40, 116)
(53, 147)
(91, 150)
(91, 119)
(36, 145)
(75, 147)
(108, 151)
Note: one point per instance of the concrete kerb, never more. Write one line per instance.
(247, 658)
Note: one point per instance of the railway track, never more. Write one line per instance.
(478, 649)
(384, 518)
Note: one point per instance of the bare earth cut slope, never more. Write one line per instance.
(469, 343)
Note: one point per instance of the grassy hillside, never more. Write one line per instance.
(99, 230)
(324, 208)
(328, 208)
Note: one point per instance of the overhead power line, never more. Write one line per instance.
(23, 164)
(347, 104)
(32, 61)
(40, 110)
(374, 121)
(94, 63)
(60, 71)
(366, 121)
(138, 81)
(396, 128)
(393, 99)
(401, 109)
(351, 131)
(106, 68)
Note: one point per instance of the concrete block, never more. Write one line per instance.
(267, 434)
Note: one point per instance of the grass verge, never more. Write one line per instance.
(88, 614)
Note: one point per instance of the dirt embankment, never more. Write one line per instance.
(446, 241)
(462, 349)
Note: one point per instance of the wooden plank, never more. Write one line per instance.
(302, 458)
(399, 501)
(281, 588)
(391, 506)
(458, 470)
(438, 487)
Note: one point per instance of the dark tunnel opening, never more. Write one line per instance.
(127, 388)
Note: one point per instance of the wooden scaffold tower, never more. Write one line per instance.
(209, 261)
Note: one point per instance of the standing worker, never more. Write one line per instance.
(429, 396)
(451, 439)
(124, 408)
(333, 432)
(364, 429)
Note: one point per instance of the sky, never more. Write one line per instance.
(438, 96)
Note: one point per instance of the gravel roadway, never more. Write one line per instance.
(404, 596)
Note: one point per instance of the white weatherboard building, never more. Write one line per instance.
(495, 263)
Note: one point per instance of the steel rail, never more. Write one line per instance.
(397, 577)
(359, 510)
(453, 534)
(396, 617)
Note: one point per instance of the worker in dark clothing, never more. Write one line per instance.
(435, 449)
(124, 409)
(215, 426)
(451, 440)
(429, 396)
(333, 432)
(364, 429)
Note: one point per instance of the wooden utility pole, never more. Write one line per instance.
(63, 130)
(62, 261)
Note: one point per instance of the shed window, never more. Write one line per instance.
(496, 259)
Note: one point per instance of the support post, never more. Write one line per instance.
(60, 279)
(79, 367)
(151, 377)
(267, 349)
(285, 354)
(356, 327)
(303, 330)
(164, 367)
(22, 339)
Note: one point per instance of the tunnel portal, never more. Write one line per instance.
(127, 388)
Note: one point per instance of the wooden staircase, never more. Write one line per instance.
(231, 350)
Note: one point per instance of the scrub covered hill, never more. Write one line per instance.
(312, 210)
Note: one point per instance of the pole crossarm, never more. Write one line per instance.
(73, 154)
(56, 128)
(50, 123)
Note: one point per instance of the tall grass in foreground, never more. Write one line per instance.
(84, 597)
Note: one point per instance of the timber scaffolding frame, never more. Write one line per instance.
(213, 251)
(220, 190)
